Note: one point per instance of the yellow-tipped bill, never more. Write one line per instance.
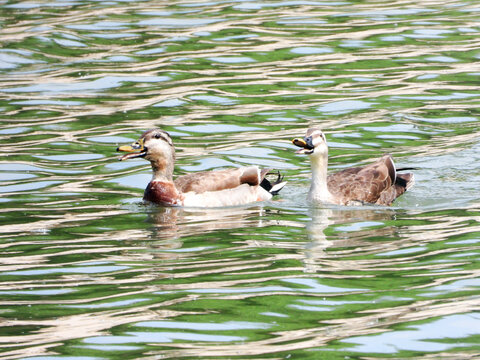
(299, 142)
(306, 148)
(135, 150)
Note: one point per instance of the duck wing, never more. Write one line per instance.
(366, 184)
(403, 182)
(217, 180)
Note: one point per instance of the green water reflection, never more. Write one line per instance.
(88, 271)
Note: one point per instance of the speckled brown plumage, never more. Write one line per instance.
(219, 180)
(376, 183)
(203, 189)
(369, 184)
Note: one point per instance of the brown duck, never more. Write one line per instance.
(218, 188)
(377, 183)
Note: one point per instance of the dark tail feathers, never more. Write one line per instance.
(407, 168)
(275, 186)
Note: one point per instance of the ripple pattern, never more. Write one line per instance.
(88, 271)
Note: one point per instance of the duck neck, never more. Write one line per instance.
(319, 188)
(162, 170)
(162, 189)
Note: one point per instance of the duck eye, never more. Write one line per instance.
(157, 136)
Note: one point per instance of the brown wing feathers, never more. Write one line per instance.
(219, 180)
(251, 176)
(374, 183)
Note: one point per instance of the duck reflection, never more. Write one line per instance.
(346, 230)
(178, 222)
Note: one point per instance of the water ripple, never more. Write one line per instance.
(88, 269)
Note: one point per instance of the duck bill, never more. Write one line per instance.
(306, 148)
(304, 152)
(135, 150)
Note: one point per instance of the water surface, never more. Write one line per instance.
(89, 272)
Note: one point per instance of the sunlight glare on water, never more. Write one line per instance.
(88, 271)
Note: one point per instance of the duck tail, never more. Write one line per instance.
(273, 187)
(407, 168)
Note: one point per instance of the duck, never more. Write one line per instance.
(378, 183)
(217, 188)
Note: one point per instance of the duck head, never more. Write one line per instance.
(155, 146)
(313, 143)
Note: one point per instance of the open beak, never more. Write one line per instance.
(135, 150)
(305, 145)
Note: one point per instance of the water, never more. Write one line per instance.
(89, 272)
